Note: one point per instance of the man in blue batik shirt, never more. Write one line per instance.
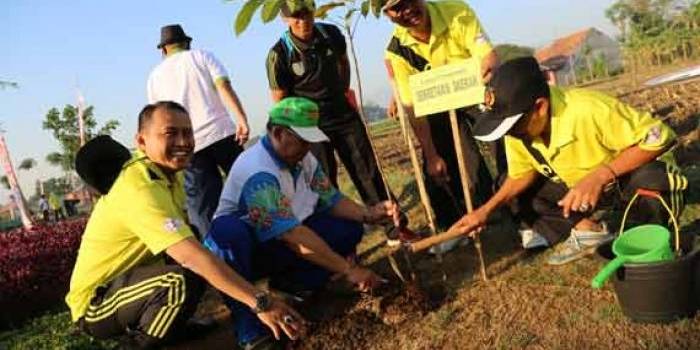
(280, 217)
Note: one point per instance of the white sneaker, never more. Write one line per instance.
(531, 239)
(447, 246)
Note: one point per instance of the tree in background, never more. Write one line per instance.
(656, 32)
(64, 128)
(507, 52)
(27, 164)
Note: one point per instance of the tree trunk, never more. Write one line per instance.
(353, 54)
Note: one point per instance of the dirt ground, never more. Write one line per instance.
(525, 304)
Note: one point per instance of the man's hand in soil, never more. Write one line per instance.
(472, 223)
(363, 278)
(382, 212)
(585, 194)
(281, 317)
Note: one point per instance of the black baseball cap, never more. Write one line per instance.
(513, 90)
(100, 161)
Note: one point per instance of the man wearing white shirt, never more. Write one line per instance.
(198, 81)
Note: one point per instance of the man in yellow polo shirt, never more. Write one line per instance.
(571, 152)
(427, 35)
(140, 272)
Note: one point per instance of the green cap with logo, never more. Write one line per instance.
(299, 114)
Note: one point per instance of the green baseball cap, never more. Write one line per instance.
(299, 114)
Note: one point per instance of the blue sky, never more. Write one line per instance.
(109, 47)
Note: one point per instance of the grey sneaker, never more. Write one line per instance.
(579, 244)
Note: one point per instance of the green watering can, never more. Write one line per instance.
(641, 244)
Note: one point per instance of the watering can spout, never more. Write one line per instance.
(610, 268)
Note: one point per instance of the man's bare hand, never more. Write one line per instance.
(437, 169)
(363, 278)
(472, 223)
(242, 132)
(383, 211)
(392, 109)
(282, 318)
(584, 196)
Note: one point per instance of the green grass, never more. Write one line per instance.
(51, 331)
(383, 127)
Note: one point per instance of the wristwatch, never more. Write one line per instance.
(262, 302)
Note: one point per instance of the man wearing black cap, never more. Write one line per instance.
(198, 81)
(140, 272)
(310, 61)
(571, 153)
(430, 34)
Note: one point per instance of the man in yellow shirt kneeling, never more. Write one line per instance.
(571, 154)
(140, 271)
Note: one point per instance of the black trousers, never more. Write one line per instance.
(351, 142)
(148, 304)
(538, 207)
(204, 180)
(447, 199)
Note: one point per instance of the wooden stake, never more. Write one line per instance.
(392, 261)
(417, 172)
(459, 149)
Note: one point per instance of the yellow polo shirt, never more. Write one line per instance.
(588, 129)
(142, 215)
(456, 35)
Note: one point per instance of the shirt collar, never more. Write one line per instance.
(139, 157)
(301, 45)
(267, 145)
(174, 51)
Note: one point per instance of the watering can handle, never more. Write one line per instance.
(603, 275)
(652, 194)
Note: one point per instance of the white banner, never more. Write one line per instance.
(81, 112)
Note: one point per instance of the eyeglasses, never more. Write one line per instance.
(295, 135)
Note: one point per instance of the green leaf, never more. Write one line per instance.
(376, 7)
(27, 164)
(245, 15)
(365, 8)
(270, 10)
(322, 11)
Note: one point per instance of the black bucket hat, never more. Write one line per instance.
(513, 90)
(171, 34)
(100, 161)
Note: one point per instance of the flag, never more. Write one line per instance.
(81, 112)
